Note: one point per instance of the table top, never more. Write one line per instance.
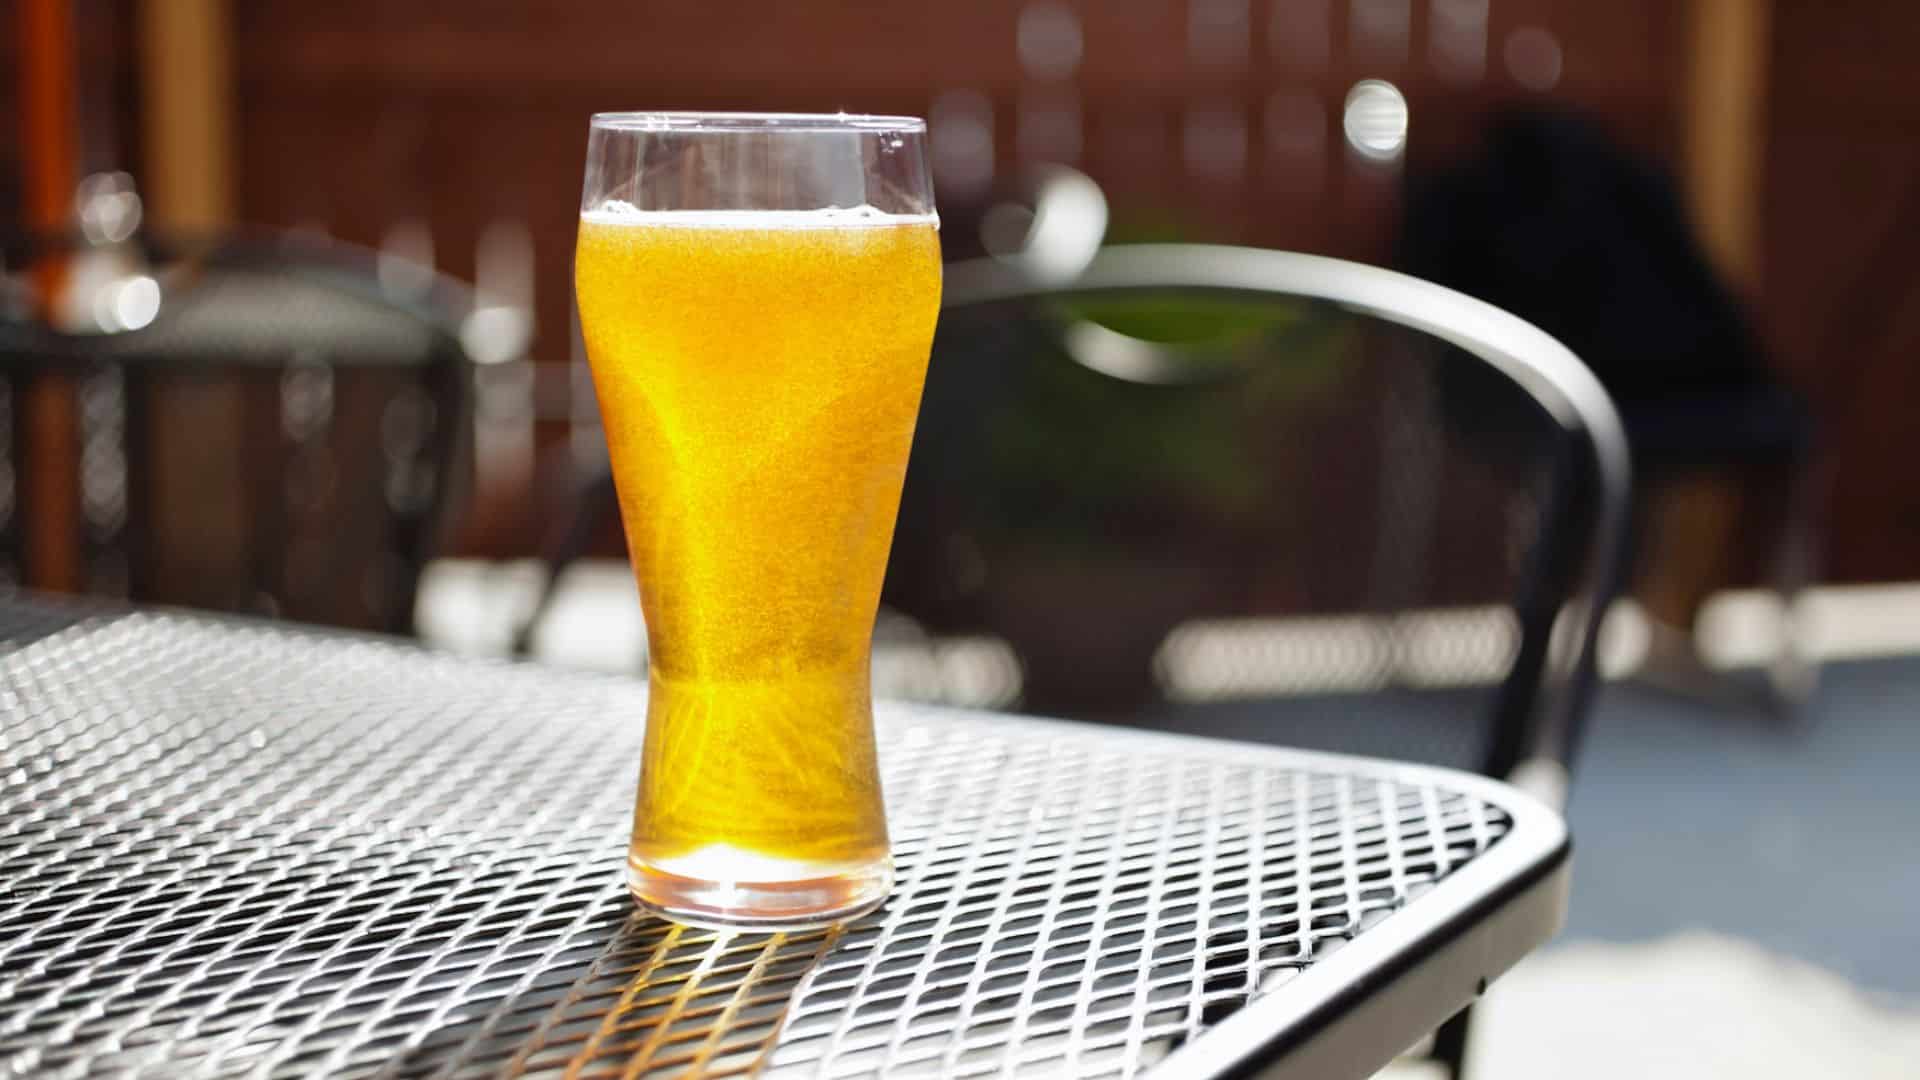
(235, 848)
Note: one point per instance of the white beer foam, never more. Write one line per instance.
(620, 212)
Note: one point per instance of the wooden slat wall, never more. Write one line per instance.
(1840, 292)
(196, 514)
(1726, 112)
(359, 114)
(48, 63)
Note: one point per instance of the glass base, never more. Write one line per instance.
(765, 907)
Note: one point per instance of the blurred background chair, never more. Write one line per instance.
(1188, 481)
(264, 423)
(1554, 221)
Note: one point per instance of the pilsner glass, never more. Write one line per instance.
(758, 294)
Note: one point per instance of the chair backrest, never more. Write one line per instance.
(283, 434)
(1192, 475)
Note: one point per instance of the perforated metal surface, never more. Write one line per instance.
(228, 848)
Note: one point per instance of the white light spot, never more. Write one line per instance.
(1048, 39)
(108, 207)
(136, 302)
(496, 333)
(1534, 58)
(1069, 224)
(1376, 119)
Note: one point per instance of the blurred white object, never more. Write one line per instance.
(1693, 1007)
(108, 207)
(471, 606)
(1067, 225)
(135, 301)
(594, 619)
(911, 665)
(1375, 120)
(1833, 622)
(108, 289)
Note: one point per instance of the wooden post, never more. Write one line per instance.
(1729, 46)
(50, 443)
(195, 519)
(1694, 521)
(186, 88)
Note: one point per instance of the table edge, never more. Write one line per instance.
(1353, 1012)
(1356, 1010)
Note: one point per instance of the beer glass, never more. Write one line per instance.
(757, 294)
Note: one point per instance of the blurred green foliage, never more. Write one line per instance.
(1079, 459)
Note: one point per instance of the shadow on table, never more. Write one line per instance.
(664, 997)
(23, 625)
(1440, 726)
(659, 994)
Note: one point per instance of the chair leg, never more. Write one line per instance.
(1552, 569)
(567, 544)
(1787, 502)
(1450, 1043)
(1794, 672)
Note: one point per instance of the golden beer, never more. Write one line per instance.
(759, 373)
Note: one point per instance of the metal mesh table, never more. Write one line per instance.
(231, 848)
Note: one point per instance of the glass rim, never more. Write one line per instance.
(665, 121)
